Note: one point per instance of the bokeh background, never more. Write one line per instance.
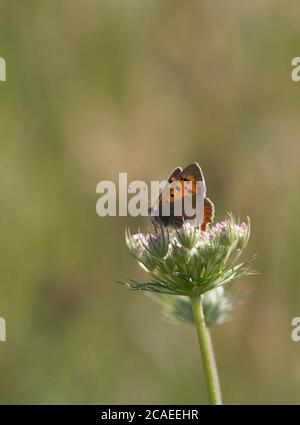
(95, 88)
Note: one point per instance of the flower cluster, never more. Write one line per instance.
(188, 262)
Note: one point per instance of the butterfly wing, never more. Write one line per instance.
(172, 177)
(193, 172)
(182, 183)
(175, 174)
(187, 186)
(209, 213)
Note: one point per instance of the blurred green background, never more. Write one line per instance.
(95, 88)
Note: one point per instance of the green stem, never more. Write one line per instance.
(207, 354)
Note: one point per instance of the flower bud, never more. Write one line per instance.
(188, 235)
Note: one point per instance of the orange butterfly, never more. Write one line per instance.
(181, 184)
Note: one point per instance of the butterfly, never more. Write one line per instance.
(183, 183)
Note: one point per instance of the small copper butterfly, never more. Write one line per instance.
(181, 184)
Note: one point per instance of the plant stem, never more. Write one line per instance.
(207, 354)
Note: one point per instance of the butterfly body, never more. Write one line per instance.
(183, 185)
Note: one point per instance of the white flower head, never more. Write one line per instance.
(188, 261)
